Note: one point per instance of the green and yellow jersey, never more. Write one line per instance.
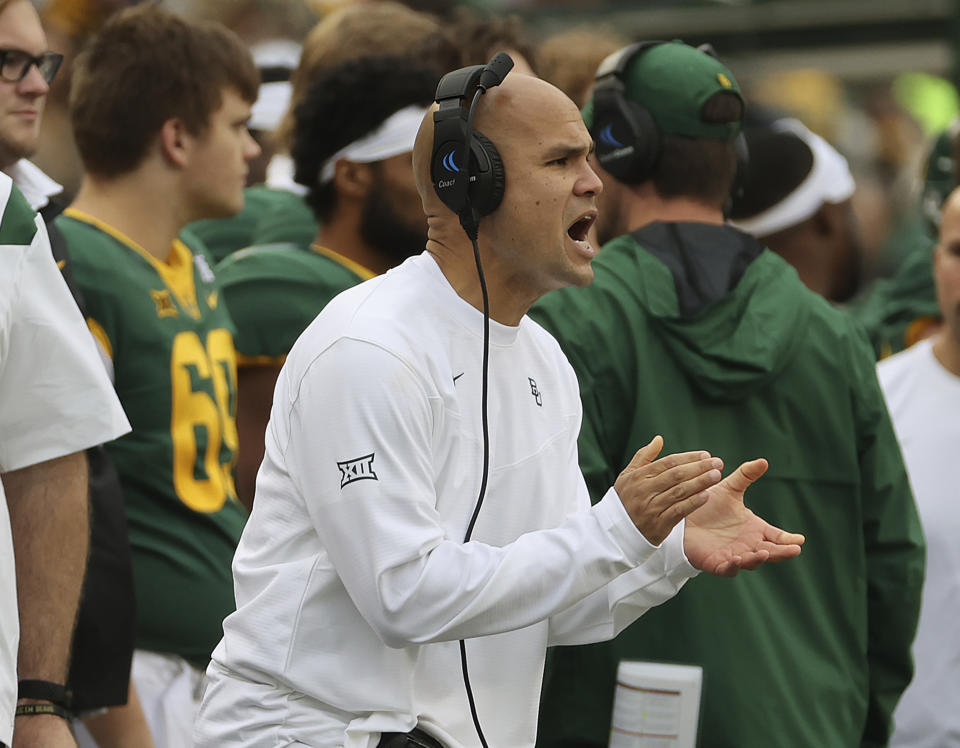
(170, 341)
(274, 291)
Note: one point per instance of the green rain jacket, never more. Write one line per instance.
(698, 333)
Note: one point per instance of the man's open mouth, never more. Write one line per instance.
(581, 227)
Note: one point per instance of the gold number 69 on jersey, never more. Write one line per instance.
(202, 423)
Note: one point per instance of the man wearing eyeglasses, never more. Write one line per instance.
(26, 69)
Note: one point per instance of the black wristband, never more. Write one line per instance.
(44, 690)
(34, 709)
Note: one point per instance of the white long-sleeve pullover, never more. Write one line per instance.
(353, 582)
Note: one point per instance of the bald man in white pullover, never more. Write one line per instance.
(353, 581)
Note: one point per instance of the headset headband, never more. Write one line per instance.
(616, 63)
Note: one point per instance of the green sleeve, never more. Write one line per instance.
(894, 548)
(288, 220)
(101, 282)
(273, 293)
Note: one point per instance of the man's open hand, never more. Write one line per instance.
(722, 536)
(659, 493)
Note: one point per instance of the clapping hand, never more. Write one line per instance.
(658, 493)
(722, 536)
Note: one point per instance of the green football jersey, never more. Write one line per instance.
(170, 341)
(273, 292)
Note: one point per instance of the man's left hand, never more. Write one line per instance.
(723, 536)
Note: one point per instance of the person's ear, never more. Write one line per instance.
(175, 142)
(832, 223)
(352, 180)
(824, 221)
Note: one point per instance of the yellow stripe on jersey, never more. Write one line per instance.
(176, 272)
(349, 264)
(101, 335)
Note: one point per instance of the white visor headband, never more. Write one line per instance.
(395, 136)
(273, 100)
(829, 181)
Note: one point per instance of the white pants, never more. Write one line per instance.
(169, 689)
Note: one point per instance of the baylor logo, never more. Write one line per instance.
(165, 305)
(534, 391)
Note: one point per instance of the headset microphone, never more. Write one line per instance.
(495, 71)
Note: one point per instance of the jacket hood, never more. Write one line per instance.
(725, 307)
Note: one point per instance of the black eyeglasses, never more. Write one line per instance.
(15, 64)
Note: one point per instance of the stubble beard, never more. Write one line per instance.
(12, 150)
(385, 231)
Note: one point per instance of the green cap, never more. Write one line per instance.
(673, 81)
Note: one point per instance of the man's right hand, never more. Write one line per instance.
(657, 494)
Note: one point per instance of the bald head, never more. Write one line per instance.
(536, 238)
(514, 116)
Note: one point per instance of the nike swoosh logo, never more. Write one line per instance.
(457, 377)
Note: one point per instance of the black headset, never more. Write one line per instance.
(471, 187)
(626, 135)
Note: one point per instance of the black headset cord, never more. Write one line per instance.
(472, 233)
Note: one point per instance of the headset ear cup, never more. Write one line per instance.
(739, 183)
(487, 192)
(627, 138)
(448, 180)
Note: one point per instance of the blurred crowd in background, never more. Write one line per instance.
(876, 85)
